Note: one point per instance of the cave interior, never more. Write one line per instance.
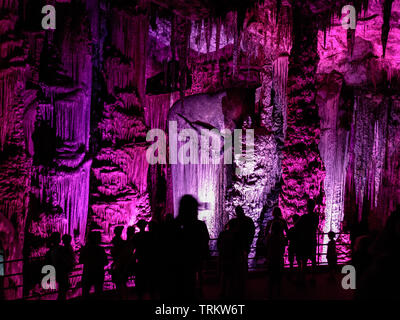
(77, 103)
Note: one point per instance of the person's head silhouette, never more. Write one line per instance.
(233, 225)
(54, 239)
(94, 238)
(239, 212)
(118, 231)
(331, 235)
(295, 217)
(142, 225)
(66, 239)
(392, 227)
(188, 209)
(153, 226)
(277, 213)
(130, 232)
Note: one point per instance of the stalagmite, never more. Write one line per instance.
(204, 181)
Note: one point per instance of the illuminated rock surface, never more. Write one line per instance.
(77, 102)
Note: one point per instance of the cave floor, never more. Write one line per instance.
(322, 288)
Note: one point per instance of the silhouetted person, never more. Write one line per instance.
(117, 241)
(65, 265)
(143, 259)
(51, 256)
(306, 228)
(275, 248)
(361, 256)
(279, 222)
(154, 258)
(331, 254)
(169, 257)
(53, 245)
(130, 234)
(120, 259)
(193, 247)
(232, 261)
(381, 280)
(246, 231)
(130, 247)
(357, 230)
(94, 259)
(246, 227)
(292, 239)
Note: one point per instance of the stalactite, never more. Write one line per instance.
(197, 37)
(120, 171)
(9, 80)
(156, 113)
(333, 146)
(387, 9)
(140, 43)
(217, 38)
(204, 181)
(182, 42)
(15, 164)
(173, 38)
(157, 108)
(69, 192)
(351, 33)
(129, 36)
(280, 75)
(9, 4)
(369, 142)
(60, 127)
(278, 9)
(236, 47)
(72, 120)
(129, 162)
(388, 196)
(208, 33)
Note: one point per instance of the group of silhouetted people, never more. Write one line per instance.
(376, 259)
(234, 245)
(62, 257)
(301, 240)
(167, 258)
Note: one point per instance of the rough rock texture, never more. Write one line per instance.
(120, 169)
(76, 104)
(357, 98)
(15, 165)
(206, 181)
(60, 129)
(302, 166)
(256, 188)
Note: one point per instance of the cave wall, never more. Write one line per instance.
(15, 164)
(120, 171)
(77, 102)
(357, 96)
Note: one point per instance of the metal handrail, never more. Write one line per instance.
(78, 266)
